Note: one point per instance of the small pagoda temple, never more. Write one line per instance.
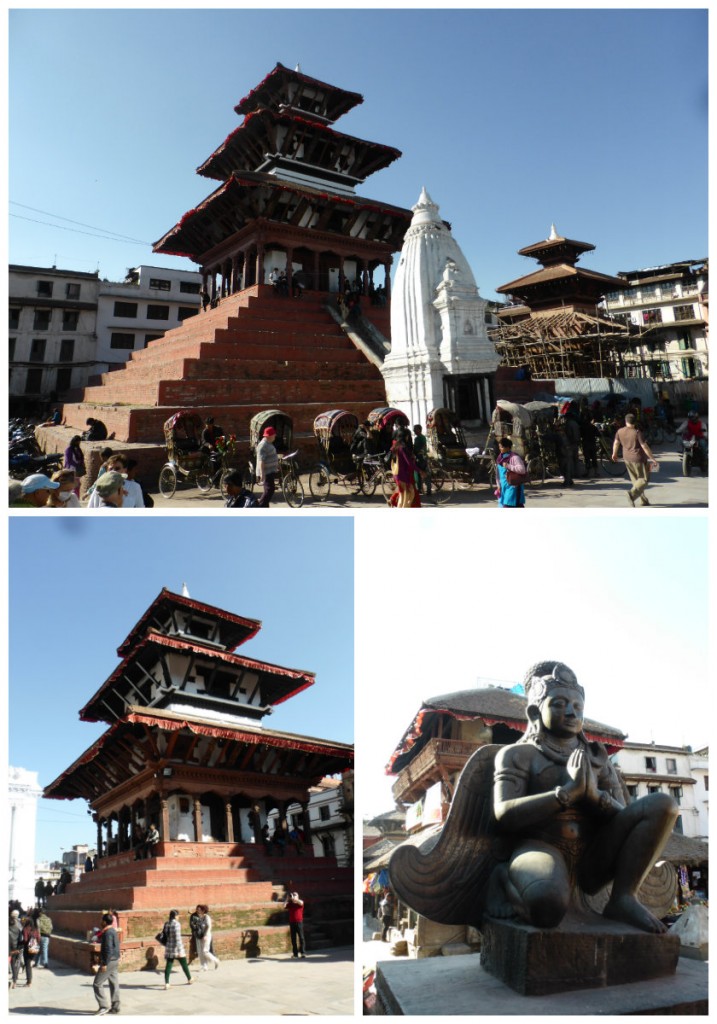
(186, 750)
(286, 202)
(552, 328)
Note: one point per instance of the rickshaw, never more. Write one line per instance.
(291, 485)
(334, 431)
(186, 462)
(384, 421)
(448, 460)
(530, 428)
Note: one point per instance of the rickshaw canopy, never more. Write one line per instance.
(280, 421)
(337, 423)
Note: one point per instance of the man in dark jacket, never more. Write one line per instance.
(108, 971)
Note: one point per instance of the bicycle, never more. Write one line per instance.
(289, 480)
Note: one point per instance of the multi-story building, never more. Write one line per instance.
(52, 341)
(330, 818)
(679, 771)
(669, 307)
(133, 312)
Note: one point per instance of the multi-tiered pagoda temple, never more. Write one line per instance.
(186, 750)
(553, 326)
(288, 195)
(287, 201)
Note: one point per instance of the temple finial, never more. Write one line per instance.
(185, 590)
(553, 233)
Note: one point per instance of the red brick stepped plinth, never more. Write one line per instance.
(242, 886)
(254, 351)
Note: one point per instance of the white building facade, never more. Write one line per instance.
(679, 771)
(440, 351)
(52, 341)
(669, 305)
(330, 819)
(23, 794)
(133, 312)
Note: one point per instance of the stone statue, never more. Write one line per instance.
(538, 826)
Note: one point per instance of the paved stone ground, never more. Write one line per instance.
(668, 489)
(322, 984)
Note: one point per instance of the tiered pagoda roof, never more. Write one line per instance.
(180, 700)
(284, 166)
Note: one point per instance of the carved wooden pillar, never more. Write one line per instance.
(229, 819)
(387, 268)
(197, 820)
(342, 279)
(164, 818)
(306, 826)
(99, 837)
(289, 268)
(317, 265)
(214, 285)
(363, 276)
(235, 273)
(260, 263)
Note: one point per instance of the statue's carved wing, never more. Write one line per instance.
(443, 873)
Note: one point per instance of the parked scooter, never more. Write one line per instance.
(24, 464)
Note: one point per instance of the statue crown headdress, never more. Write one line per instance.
(547, 676)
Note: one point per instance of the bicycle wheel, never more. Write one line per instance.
(536, 471)
(167, 481)
(368, 483)
(248, 479)
(292, 489)
(320, 482)
(205, 477)
(387, 484)
(223, 483)
(443, 485)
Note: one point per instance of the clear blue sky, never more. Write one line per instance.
(78, 585)
(595, 120)
(622, 600)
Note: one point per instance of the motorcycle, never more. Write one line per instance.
(693, 454)
(24, 464)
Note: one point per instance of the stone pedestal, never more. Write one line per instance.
(458, 986)
(586, 951)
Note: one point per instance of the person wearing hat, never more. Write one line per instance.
(110, 490)
(267, 466)
(35, 491)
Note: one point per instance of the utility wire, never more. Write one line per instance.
(92, 234)
(79, 223)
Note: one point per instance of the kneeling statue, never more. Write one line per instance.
(538, 826)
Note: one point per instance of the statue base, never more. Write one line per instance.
(458, 986)
(585, 951)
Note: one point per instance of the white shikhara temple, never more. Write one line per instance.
(440, 351)
(23, 794)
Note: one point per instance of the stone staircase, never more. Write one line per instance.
(254, 351)
(243, 887)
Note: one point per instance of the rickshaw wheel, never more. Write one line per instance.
(367, 483)
(388, 484)
(536, 470)
(293, 490)
(248, 479)
(167, 481)
(223, 484)
(204, 479)
(444, 486)
(320, 483)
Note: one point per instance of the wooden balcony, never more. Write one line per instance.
(438, 758)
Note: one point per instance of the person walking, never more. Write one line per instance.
(511, 475)
(108, 970)
(201, 925)
(386, 912)
(403, 468)
(295, 906)
(30, 943)
(637, 456)
(267, 466)
(14, 946)
(44, 926)
(174, 950)
(420, 454)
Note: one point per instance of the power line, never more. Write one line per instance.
(79, 223)
(61, 227)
